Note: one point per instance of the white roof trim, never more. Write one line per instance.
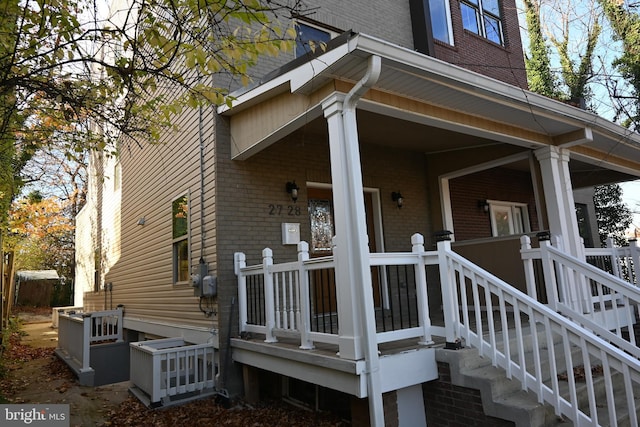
(450, 75)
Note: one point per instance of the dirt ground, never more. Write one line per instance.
(47, 379)
(36, 375)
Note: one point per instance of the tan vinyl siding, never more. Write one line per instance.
(153, 176)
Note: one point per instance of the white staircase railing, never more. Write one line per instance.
(549, 354)
(619, 261)
(589, 296)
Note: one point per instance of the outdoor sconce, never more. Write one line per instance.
(141, 221)
(397, 197)
(292, 188)
(483, 205)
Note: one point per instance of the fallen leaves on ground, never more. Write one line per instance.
(18, 352)
(205, 412)
(132, 412)
(579, 373)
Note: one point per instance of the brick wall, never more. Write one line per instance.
(503, 184)
(473, 52)
(391, 21)
(448, 405)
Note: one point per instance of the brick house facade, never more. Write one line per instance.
(446, 131)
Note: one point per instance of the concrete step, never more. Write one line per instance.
(501, 397)
(504, 398)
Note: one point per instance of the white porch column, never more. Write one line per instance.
(350, 333)
(558, 194)
(351, 252)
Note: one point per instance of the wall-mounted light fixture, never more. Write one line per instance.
(292, 188)
(397, 197)
(141, 220)
(483, 205)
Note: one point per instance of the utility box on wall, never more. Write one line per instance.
(290, 233)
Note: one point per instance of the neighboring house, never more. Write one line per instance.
(407, 123)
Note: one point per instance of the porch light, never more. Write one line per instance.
(141, 221)
(292, 188)
(397, 197)
(484, 205)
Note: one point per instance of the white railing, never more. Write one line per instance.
(549, 354)
(591, 297)
(77, 331)
(56, 311)
(619, 261)
(277, 299)
(171, 367)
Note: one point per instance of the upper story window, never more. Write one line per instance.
(311, 37)
(509, 218)
(482, 17)
(441, 21)
(180, 234)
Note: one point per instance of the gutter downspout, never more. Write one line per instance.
(360, 245)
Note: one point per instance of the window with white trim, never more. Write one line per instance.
(441, 21)
(482, 17)
(180, 235)
(508, 218)
(311, 37)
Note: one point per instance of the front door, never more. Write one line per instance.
(322, 231)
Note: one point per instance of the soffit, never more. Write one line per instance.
(426, 80)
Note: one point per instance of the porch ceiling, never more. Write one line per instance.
(460, 108)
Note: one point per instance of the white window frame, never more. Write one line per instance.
(175, 240)
(518, 219)
(480, 15)
(447, 7)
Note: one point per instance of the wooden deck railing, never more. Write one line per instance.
(77, 331)
(170, 367)
(480, 310)
(298, 299)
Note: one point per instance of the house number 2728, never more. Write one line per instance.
(289, 210)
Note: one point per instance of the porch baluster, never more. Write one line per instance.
(304, 304)
(529, 272)
(240, 263)
(549, 275)
(417, 242)
(86, 342)
(634, 254)
(449, 293)
(269, 307)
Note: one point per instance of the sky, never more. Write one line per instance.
(581, 17)
(631, 196)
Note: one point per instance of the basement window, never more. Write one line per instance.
(508, 218)
(180, 234)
